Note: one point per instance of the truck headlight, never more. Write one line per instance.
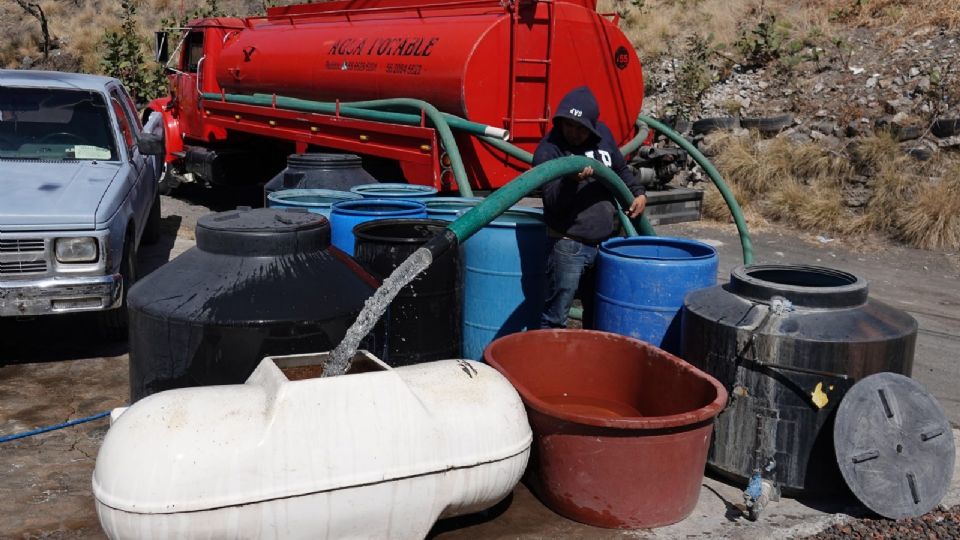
(82, 249)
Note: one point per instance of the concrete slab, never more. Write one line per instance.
(53, 370)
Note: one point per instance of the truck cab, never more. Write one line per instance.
(78, 193)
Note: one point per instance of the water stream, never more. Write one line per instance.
(374, 308)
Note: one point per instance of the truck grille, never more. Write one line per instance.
(22, 267)
(21, 245)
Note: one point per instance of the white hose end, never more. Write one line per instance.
(498, 133)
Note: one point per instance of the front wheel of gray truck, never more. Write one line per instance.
(112, 324)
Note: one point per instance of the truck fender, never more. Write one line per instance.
(172, 137)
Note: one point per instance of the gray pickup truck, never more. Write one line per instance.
(78, 192)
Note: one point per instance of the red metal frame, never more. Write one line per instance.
(415, 145)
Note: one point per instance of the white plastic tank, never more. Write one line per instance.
(378, 452)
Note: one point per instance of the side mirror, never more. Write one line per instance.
(163, 55)
(151, 145)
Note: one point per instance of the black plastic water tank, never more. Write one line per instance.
(788, 342)
(320, 170)
(259, 282)
(423, 322)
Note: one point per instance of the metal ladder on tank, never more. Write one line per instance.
(515, 60)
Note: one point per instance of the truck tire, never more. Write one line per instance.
(708, 125)
(768, 124)
(946, 127)
(168, 183)
(151, 231)
(112, 324)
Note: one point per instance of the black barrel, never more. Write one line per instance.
(788, 342)
(320, 170)
(423, 322)
(258, 283)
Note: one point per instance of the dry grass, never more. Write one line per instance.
(931, 218)
(900, 16)
(658, 27)
(803, 185)
(81, 24)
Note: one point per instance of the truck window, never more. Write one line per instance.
(193, 52)
(131, 109)
(55, 124)
(125, 127)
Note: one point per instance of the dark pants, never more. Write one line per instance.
(569, 269)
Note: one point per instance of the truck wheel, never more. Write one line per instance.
(151, 231)
(112, 324)
(168, 183)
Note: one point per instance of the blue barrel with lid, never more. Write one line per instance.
(641, 284)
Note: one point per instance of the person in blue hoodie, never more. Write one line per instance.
(579, 210)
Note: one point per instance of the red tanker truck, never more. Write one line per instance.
(499, 63)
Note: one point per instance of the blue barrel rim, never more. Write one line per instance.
(388, 207)
(361, 230)
(610, 247)
(284, 196)
(437, 204)
(392, 189)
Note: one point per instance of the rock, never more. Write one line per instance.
(859, 179)
(923, 83)
(872, 82)
(798, 137)
(825, 127)
(900, 118)
(949, 142)
(898, 126)
(919, 153)
(856, 197)
(914, 72)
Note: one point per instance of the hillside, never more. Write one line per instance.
(855, 100)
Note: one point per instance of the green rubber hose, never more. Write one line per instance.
(642, 124)
(745, 243)
(439, 121)
(508, 195)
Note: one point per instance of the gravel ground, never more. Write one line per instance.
(941, 523)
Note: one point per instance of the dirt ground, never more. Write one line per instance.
(55, 370)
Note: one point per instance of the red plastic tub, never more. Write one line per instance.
(621, 428)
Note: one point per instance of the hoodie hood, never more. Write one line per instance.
(581, 106)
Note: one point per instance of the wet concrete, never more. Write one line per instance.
(56, 369)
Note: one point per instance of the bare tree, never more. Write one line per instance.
(36, 12)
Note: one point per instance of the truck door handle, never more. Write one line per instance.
(200, 74)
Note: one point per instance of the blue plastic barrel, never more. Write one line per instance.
(447, 208)
(317, 201)
(641, 284)
(394, 191)
(345, 215)
(504, 278)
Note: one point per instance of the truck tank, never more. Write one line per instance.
(505, 65)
